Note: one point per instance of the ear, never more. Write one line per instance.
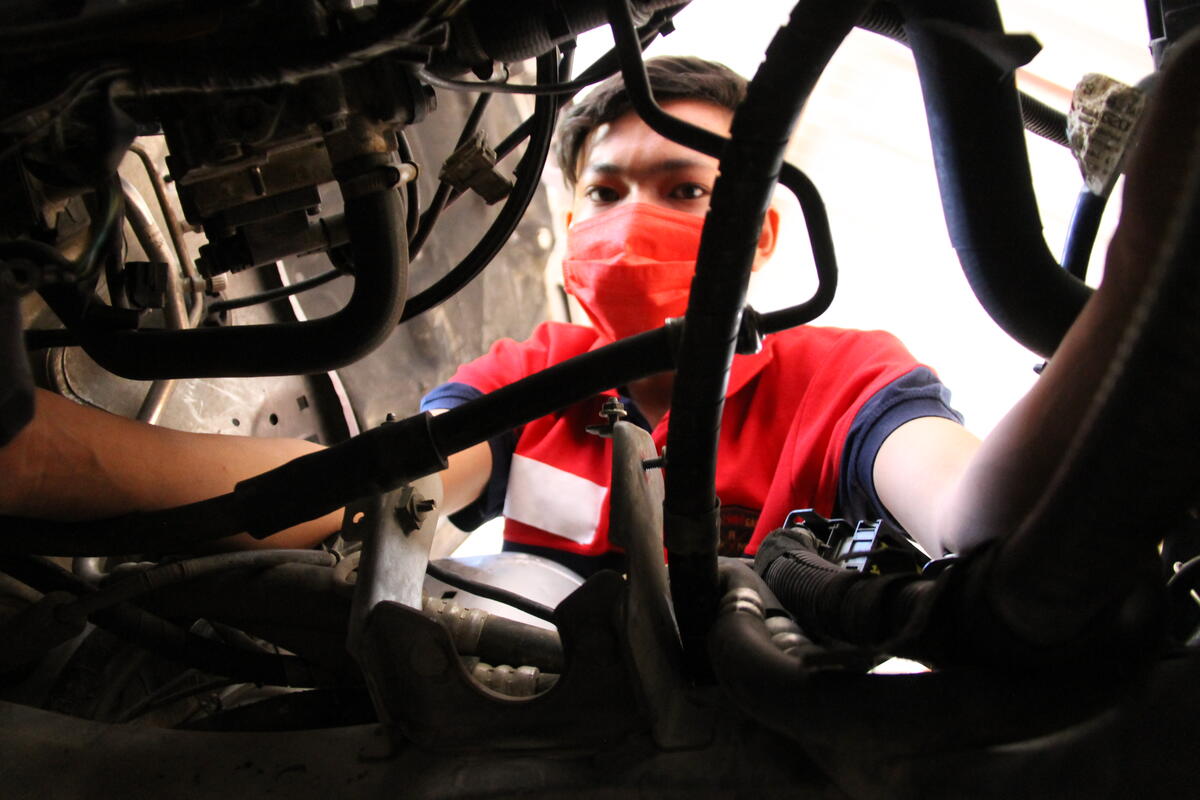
(766, 238)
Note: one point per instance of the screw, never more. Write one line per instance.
(614, 411)
(410, 513)
(657, 462)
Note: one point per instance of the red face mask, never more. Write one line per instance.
(631, 268)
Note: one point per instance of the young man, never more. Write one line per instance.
(843, 421)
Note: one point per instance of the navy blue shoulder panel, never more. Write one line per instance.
(490, 502)
(915, 394)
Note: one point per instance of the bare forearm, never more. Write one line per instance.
(75, 463)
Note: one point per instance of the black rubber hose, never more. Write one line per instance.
(373, 462)
(1081, 235)
(553, 388)
(888, 714)
(530, 607)
(278, 293)
(163, 638)
(750, 164)
(1038, 118)
(412, 190)
(820, 239)
(380, 248)
(128, 587)
(528, 176)
(983, 173)
(39, 338)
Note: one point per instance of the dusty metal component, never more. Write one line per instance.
(614, 411)
(652, 637)
(510, 681)
(473, 166)
(412, 508)
(361, 136)
(464, 624)
(1100, 125)
(155, 245)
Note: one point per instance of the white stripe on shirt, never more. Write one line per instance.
(553, 500)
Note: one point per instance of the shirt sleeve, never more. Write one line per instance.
(915, 394)
(505, 362)
(490, 502)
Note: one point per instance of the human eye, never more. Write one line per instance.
(600, 194)
(689, 191)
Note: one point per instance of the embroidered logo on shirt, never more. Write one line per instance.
(737, 525)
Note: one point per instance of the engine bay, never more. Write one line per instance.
(327, 218)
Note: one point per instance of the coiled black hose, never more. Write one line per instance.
(278, 293)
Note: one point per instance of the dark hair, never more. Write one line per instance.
(671, 78)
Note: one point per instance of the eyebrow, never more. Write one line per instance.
(658, 167)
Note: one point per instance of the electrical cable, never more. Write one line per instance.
(528, 177)
(111, 215)
(1081, 233)
(75, 91)
(816, 218)
(412, 187)
(530, 607)
(603, 67)
(170, 692)
(64, 269)
(430, 216)
(565, 88)
(278, 293)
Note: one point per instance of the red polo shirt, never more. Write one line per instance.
(788, 412)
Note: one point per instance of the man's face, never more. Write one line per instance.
(625, 162)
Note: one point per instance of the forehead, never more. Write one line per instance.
(628, 139)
